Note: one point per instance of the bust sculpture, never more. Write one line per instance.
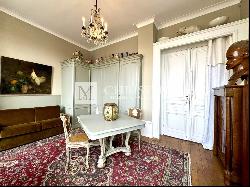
(237, 59)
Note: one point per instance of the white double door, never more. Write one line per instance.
(183, 83)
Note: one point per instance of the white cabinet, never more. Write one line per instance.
(118, 81)
(73, 71)
(129, 84)
(106, 78)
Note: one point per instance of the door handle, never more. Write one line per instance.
(187, 99)
(188, 102)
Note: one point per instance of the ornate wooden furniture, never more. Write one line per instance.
(245, 137)
(231, 125)
(228, 130)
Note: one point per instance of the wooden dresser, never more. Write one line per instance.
(231, 132)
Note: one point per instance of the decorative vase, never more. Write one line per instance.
(24, 88)
(13, 89)
(110, 111)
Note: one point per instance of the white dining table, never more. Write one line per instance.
(97, 128)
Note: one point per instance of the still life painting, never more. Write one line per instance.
(23, 77)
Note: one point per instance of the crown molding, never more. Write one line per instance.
(41, 27)
(201, 12)
(202, 35)
(146, 22)
(125, 37)
(133, 34)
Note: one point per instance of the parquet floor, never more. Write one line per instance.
(206, 170)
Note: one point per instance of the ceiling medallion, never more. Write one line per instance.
(97, 31)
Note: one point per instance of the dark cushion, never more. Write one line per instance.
(16, 116)
(51, 123)
(14, 141)
(48, 112)
(20, 129)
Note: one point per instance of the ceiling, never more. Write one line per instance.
(63, 17)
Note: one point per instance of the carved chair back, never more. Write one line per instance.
(135, 113)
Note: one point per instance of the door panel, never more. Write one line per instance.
(67, 86)
(96, 76)
(173, 127)
(175, 85)
(129, 84)
(107, 83)
(110, 84)
(197, 100)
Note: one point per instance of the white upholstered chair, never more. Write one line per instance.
(76, 140)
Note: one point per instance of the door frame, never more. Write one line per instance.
(238, 30)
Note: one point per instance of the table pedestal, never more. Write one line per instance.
(111, 150)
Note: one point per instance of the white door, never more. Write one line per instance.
(197, 95)
(183, 90)
(175, 93)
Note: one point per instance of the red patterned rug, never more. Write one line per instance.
(43, 163)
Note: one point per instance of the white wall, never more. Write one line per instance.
(28, 101)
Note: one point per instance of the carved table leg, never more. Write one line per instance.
(110, 143)
(102, 157)
(126, 144)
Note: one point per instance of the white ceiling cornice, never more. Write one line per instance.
(146, 22)
(217, 31)
(41, 27)
(125, 37)
(201, 12)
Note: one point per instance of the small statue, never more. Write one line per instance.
(237, 59)
(77, 55)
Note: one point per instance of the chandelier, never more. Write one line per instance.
(96, 32)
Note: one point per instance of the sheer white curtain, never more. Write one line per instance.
(216, 75)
